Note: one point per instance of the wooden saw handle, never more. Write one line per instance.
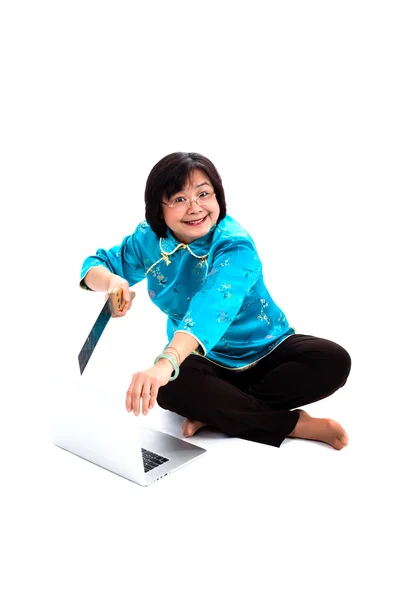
(116, 300)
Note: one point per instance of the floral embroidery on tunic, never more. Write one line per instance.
(262, 316)
(226, 263)
(223, 317)
(199, 267)
(188, 322)
(247, 271)
(247, 339)
(224, 289)
(156, 273)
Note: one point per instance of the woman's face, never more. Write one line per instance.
(189, 222)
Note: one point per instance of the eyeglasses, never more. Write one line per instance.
(181, 204)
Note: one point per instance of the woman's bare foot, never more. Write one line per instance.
(189, 427)
(321, 430)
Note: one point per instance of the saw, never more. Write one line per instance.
(113, 305)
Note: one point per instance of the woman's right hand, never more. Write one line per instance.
(118, 282)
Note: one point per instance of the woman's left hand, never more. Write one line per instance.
(145, 386)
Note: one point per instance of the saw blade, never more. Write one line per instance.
(113, 305)
(94, 335)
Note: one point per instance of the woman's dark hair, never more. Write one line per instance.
(169, 176)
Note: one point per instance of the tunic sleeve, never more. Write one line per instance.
(234, 271)
(125, 260)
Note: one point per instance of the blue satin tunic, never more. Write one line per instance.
(212, 289)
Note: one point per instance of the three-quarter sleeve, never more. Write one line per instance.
(234, 270)
(125, 259)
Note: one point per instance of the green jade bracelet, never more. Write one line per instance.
(172, 361)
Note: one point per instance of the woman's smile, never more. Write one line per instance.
(195, 223)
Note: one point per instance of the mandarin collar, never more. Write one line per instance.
(198, 247)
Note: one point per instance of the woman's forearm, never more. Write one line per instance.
(98, 279)
(184, 344)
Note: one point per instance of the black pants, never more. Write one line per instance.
(257, 404)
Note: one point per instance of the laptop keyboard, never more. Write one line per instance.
(152, 460)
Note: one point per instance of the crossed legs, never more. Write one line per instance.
(260, 404)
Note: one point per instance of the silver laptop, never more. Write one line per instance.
(95, 426)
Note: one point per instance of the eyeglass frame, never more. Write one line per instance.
(188, 202)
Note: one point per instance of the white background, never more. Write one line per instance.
(297, 104)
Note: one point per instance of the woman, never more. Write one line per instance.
(232, 361)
